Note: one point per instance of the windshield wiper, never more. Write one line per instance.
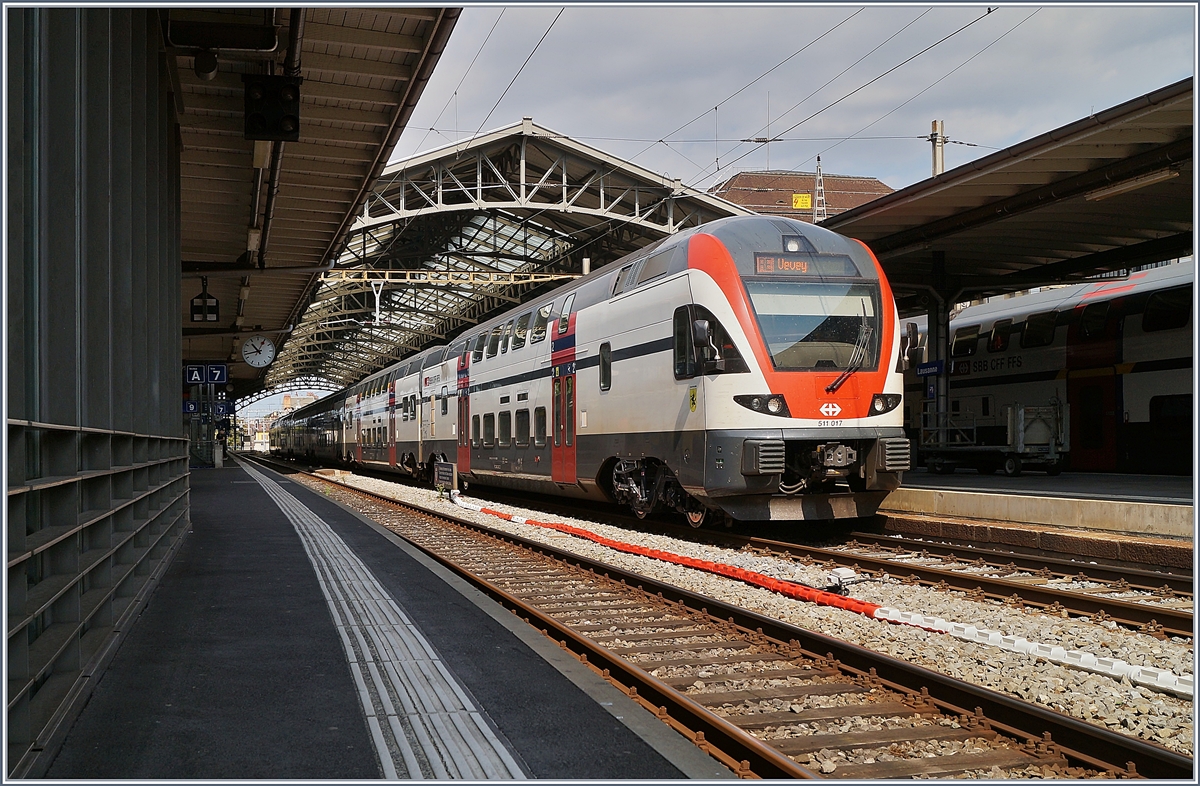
(858, 357)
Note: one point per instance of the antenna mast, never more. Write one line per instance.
(819, 213)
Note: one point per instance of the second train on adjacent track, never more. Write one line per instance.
(746, 368)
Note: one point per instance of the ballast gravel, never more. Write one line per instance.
(1096, 698)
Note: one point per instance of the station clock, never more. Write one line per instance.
(258, 351)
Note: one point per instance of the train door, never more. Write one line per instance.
(347, 430)
(358, 428)
(1093, 393)
(391, 423)
(562, 451)
(463, 427)
(562, 447)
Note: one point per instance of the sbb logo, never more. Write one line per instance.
(830, 409)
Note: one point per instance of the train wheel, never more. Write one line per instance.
(1012, 466)
(641, 514)
(696, 517)
(1054, 469)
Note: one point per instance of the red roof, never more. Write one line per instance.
(771, 192)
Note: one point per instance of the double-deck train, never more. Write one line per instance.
(747, 368)
(1115, 354)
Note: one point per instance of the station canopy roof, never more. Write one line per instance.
(1108, 192)
(259, 218)
(451, 237)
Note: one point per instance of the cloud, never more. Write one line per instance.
(621, 77)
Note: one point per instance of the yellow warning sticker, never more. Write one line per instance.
(692, 398)
(801, 201)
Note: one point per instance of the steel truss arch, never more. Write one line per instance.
(451, 237)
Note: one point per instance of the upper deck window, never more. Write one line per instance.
(1039, 330)
(966, 340)
(1000, 333)
(1093, 319)
(1168, 309)
(539, 324)
(521, 331)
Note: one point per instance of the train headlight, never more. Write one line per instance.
(768, 405)
(885, 402)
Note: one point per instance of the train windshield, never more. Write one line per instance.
(818, 326)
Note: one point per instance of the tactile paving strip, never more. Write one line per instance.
(421, 720)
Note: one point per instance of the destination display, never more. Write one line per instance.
(816, 265)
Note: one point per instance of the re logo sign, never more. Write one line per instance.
(830, 409)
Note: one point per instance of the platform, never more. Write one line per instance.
(236, 669)
(1158, 506)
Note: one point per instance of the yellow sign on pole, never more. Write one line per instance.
(801, 201)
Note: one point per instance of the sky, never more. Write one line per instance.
(673, 87)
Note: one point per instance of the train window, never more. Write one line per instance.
(539, 426)
(569, 415)
(474, 431)
(522, 427)
(685, 358)
(816, 325)
(966, 339)
(493, 345)
(539, 323)
(690, 360)
(477, 353)
(521, 332)
(458, 350)
(1000, 333)
(558, 413)
(620, 277)
(445, 403)
(504, 339)
(605, 366)
(985, 406)
(505, 436)
(434, 358)
(1168, 309)
(656, 265)
(565, 320)
(1171, 415)
(1038, 330)
(489, 430)
(1092, 319)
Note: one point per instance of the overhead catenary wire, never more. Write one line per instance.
(917, 95)
(512, 81)
(822, 36)
(454, 94)
(843, 72)
(868, 83)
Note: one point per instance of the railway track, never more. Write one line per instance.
(1159, 611)
(766, 698)
(1152, 602)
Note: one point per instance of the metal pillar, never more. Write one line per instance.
(937, 343)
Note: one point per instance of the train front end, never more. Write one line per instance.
(804, 421)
